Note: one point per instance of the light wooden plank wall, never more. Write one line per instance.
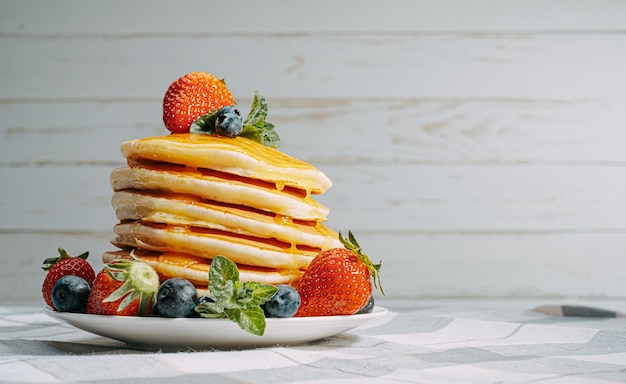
(478, 147)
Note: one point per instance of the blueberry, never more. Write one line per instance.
(369, 307)
(176, 298)
(284, 303)
(70, 294)
(228, 122)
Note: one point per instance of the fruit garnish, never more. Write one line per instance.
(239, 301)
(64, 265)
(191, 96)
(124, 287)
(284, 303)
(254, 126)
(70, 294)
(228, 122)
(351, 244)
(338, 281)
(176, 298)
(369, 307)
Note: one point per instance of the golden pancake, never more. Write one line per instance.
(185, 210)
(217, 188)
(238, 155)
(196, 269)
(208, 243)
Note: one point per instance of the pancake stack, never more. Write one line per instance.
(185, 198)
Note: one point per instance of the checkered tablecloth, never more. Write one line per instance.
(435, 343)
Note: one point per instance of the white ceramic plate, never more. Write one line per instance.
(200, 333)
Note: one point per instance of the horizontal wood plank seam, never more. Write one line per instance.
(308, 34)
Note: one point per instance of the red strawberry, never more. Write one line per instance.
(124, 287)
(338, 281)
(192, 96)
(64, 265)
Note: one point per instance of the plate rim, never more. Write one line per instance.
(377, 311)
(238, 339)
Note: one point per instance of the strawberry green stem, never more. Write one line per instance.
(352, 245)
(49, 262)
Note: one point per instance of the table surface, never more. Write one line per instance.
(482, 341)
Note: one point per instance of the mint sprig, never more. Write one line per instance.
(238, 301)
(254, 126)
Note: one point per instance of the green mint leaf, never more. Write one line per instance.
(221, 271)
(258, 110)
(205, 124)
(250, 294)
(210, 310)
(256, 128)
(252, 133)
(243, 294)
(265, 135)
(239, 301)
(228, 296)
(259, 293)
(251, 320)
(270, 136)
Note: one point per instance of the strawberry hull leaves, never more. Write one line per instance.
(125, 287)
(144, 289)
(238, 301)
(50, 262)
(352, 245)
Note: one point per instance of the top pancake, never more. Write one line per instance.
(238, 155)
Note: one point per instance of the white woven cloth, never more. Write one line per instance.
(419, 344)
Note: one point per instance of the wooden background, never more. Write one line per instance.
(477, 147)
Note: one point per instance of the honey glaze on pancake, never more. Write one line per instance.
(189, 210)
(240, 238)
(317, 226)
(237, 155)
(209, 243)
(225, 176)
(217, 189)
(203, 265)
